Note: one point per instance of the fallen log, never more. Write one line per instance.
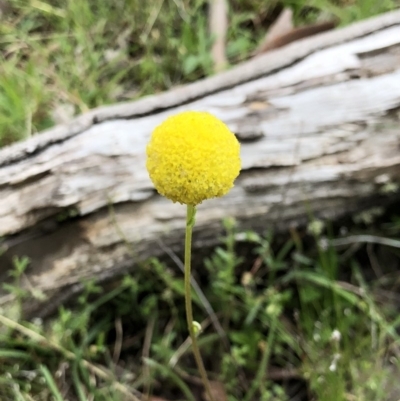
(319, 123)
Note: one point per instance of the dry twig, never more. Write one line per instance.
(282, 32)
(218, 25)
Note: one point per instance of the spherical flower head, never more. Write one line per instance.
(193, 156)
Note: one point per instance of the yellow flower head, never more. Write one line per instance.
(193, 156)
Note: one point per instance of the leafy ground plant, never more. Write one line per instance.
(283, 319)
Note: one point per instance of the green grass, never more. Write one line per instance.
(58, 59)
(298, 319)
(286, 306)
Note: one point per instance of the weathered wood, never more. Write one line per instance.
(319, 123)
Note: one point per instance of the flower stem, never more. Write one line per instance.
(190, 220)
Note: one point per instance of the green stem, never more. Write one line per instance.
(262, 368)
(190, 220)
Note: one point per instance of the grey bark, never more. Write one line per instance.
(319, 122)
